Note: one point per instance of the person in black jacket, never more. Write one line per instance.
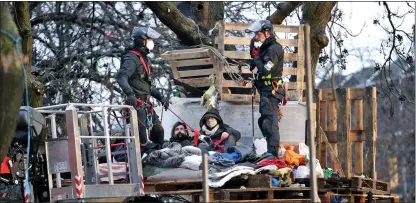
(215, 133)
(268, 65)
(134, 78)
(180, 134)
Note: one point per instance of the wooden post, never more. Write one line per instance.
(332, 127)
(300, 68)
(322, 118)
(370, 119)
(359, 147)
(343, 129)
(221, 35)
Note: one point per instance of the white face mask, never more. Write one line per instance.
(212, 123)
(150, 44)
(257, 44)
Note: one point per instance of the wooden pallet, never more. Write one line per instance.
(358, 198)
(262, 194)
(192, 66)
(183, 186)
(350, 129)
(293, 61)
(354, 184)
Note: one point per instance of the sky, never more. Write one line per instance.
(359, 13)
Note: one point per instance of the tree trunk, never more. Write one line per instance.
(317, 15)
(22, 18)
(206, 15)
(11, 86)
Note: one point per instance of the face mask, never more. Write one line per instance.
(212, 123)
(257, 44)
(149, 44)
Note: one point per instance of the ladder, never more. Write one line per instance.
(75, 153)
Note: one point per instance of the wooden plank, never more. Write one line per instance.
(175, 192)
(261, 180)
(277, 28)
(301, 61)
(359, 147)
(370, 124)
(163, 182)
(192, 62)
(344, 147)
(192, 73)
(289, 189)
(197, 82)
(221, 35)
(332, 124)
(246, 55)
(247, 40)
(332, 154)
(231, 83)
(176, 51)
(323, 124)
(186, 55)
(243, 98)
(355, 135)
(244, 70)
(356, 93)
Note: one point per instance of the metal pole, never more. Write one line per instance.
(205, 188)
(309, 103)
(54, 135)
(107, 146)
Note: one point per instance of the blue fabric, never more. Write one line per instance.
(275, 182)
(241, 150)
(230, 156)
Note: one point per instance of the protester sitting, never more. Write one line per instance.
(215, 134)
(180, 134)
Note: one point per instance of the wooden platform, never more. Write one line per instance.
(358, 198)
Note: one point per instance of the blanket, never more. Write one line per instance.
(219, 179)
(172, 155)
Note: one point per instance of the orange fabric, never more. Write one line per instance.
(293, 158)
(4, 166)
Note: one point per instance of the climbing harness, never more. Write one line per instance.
(16, 43)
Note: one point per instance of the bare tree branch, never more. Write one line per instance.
(284, 9)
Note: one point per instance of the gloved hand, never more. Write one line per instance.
(131, 100)
(165, 103)
(254, 62)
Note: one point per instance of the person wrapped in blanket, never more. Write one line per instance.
(214, 134)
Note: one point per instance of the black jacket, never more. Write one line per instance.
(269, 61)
(223, 127)
(133, 78)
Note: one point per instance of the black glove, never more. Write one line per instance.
(131, 100)
(165, 103)
(254, 62)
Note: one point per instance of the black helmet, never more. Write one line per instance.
(260, 26)
(144, 33)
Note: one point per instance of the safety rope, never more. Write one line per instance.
(193, 130)
(16, 43)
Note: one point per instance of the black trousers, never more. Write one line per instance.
(157, 133)
(268, 122)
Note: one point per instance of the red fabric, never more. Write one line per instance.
(146, 66)
(274, 161)
(196, 137)
(4, 166)
(221, 147)
(255, 52)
